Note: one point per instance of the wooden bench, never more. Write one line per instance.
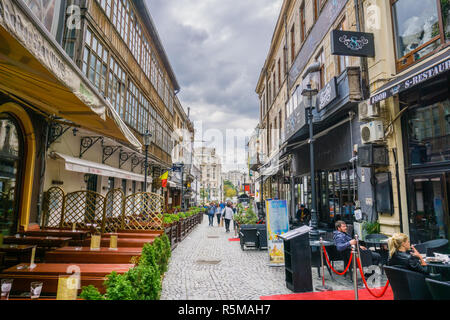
(45, 242)
(48, 273)
(86, 255)
(121, 242)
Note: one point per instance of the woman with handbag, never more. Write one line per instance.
(228, 216)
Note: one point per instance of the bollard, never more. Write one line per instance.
(355, 269)
(323, 287)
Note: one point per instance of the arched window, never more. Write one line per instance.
(11, 165)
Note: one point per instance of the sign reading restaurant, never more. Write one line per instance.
(412, 81)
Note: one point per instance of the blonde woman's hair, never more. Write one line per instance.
(395, 242)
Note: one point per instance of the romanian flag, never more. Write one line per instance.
(164, 178)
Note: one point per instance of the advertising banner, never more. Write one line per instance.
(277, 221)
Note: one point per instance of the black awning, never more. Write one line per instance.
(432, 68)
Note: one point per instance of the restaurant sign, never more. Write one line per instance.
(327, 94)
(350, 43)
(412, 81)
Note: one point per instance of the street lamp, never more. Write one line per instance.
(309, 94)
(147, 140)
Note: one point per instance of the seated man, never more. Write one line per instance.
(344, 242)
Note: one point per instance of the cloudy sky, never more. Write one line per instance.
(217, 49)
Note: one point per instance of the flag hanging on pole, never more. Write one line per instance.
(164, 178)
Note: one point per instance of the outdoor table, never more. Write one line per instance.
(48, 273)
(75, 235)
(21, 252)
(442, 268)
(315, 255)
(86, 255)
(45, 242)
(121, 242)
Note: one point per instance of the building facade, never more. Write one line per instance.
(409, 85)
(380, 119)
(211, 182)
(302, 38)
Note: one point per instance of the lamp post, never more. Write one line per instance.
(309, 94)
(147, 140)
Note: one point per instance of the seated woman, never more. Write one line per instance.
(402, 254)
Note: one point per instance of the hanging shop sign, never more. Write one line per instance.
(277, 224)
(350, 43)
(327, 94)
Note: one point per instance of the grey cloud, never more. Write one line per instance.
(217, 59)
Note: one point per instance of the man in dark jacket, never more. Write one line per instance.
(344, 242)
(303, 215)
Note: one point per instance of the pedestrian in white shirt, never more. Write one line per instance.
(228, 216)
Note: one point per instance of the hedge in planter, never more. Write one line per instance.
(142, 282)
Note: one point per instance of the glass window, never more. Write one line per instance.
(11, 154)
(416, 28)
(429, 133)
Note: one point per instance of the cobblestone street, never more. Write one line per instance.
(207, 266)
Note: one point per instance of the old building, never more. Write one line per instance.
(302, 38)
(409, 85)
(83, 82)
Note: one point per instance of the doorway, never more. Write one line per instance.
(429, 202)
(11, 165)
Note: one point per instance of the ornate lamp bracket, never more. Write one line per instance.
(87, 143)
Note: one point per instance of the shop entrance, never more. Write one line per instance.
(11, 165)
(429, 202)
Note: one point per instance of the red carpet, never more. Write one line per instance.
(363, 294)
(233, 239)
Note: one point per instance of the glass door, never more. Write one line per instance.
(429, 207)
(11, 157)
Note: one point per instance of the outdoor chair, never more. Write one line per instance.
(407, 284)
(440, 290)
(366, 260)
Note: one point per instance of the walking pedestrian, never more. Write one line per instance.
(228, 216)
(211, 212)
(218, 214)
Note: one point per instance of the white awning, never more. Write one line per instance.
(85, 166)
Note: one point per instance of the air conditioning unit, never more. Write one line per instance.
(368, 111)
(372, 131)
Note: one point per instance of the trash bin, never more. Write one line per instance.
(297, 257)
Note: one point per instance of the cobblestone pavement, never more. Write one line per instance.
(207, 266)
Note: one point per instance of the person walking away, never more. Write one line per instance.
(218, 214)
(228, 216)
(211, 212)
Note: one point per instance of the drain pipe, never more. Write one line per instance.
(364, 81)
